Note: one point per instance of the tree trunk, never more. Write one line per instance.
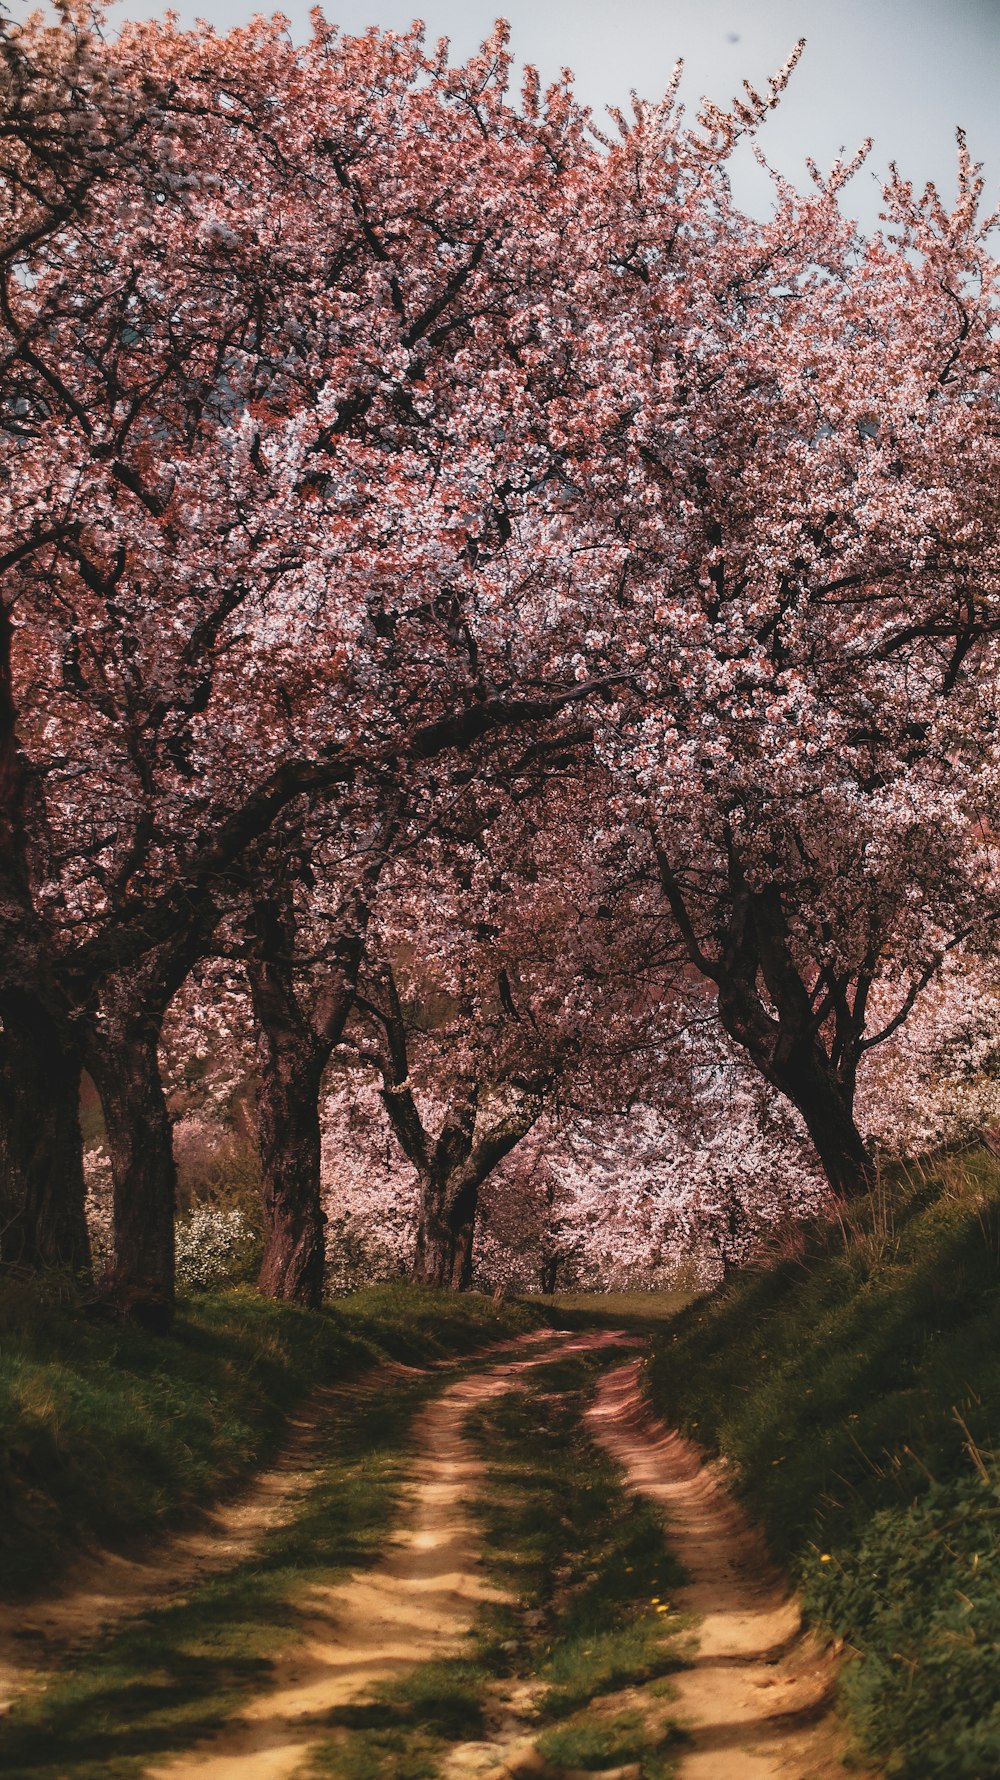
(792, 1059)
(445, 1235)
(289, 1136)
(42, 1219)
(123, 1060)
(291, 1057)
(827, 1109)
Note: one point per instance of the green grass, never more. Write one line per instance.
(641, 1311)
(108, 1434)
(582, 1562)
(160, 1683)
(856, 1395)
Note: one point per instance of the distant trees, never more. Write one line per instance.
(376, 440)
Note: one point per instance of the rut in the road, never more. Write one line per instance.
(416, 1606)
(758, 1699)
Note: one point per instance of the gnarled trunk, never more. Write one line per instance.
(446, 1230)
(123, 1060)
(42, 1219)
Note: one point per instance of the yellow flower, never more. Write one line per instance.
(824, 1557)
(664, 1607)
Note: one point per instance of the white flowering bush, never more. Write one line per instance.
(215, 1247)
(369, 1192)
(99, 1206)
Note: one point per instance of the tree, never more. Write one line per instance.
(783, 467)
(275, 433)
(498, 988)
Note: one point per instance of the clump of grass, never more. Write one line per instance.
(401, 1733)
(594, 1741)
(856, 1394)
(108, 1433)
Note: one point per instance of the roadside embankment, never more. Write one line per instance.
(851, 1396)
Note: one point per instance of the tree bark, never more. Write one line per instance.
(806, 1043)
(793, 1061)
(291, 1069)
(42, 1217)
(827, 1109)
(446, 1231)
(123, 1060)
(295, 1038)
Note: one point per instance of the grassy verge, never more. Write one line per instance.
(108, 1434)
(589, 1580)
(642, 1312)
(162, 1682)
(856, 1396)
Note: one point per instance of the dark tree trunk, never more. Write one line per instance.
(291, 1069)
(827, 1109)
(42, 1219)
(297, 1030)
(805, 1041)
(549, 1274)
(446, 1231)
(123, 1060)
(795, 1064)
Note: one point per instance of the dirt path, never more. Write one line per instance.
(415, 1606)
(105, 1588)
(758, 1700)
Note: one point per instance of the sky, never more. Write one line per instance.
(906, 72)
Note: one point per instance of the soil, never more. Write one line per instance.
(758, 1700)
(416, 1606)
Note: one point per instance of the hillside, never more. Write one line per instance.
(853, 1395)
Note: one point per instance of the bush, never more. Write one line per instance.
(215, 1248)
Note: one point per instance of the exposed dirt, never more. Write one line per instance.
(758, 1701)
(415, 1606)
(104, 1588)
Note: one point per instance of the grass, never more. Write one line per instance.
(855, 1393)
(588, 1577)
(643, 1312)
(109, 1434)
(160, 1683)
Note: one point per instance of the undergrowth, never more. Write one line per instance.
(108, 1433)
(855, 1394)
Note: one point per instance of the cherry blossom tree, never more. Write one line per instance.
(273, 438)
(783, 464)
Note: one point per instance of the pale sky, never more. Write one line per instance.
(904, 71)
